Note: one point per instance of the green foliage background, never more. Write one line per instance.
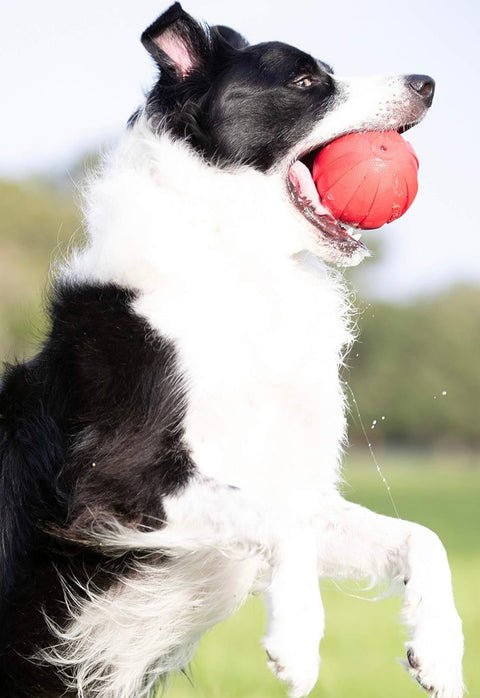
(416, 365)
(37, 220)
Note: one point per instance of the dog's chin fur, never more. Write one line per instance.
(176, 444)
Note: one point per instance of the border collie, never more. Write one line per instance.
(176, 444)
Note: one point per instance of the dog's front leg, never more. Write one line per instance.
(224, 518)
(295, 612)
(354, 542)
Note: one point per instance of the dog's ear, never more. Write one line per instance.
(232, 37)
(177, 43)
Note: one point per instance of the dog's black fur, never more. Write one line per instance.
(92, 424)
(239, 104)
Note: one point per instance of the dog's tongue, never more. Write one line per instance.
(306, 195)
(302, 180)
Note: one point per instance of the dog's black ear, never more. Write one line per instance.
(178, 44)
(232, 37)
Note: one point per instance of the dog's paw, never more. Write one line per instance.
(434, 658)
(294, 664)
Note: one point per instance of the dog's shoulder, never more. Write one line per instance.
(128, 404)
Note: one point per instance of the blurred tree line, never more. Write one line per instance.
(37, 219)
(413, 371)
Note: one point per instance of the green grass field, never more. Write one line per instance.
(363, 638)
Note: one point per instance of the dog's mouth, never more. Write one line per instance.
(340, 243)
(344, 240)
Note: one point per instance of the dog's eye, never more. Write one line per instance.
(304, 81)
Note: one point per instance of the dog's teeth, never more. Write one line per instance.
(353, 232)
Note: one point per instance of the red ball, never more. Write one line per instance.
(367, 179)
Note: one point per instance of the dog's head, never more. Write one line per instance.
(271, 107)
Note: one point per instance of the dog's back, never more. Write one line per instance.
(31, 457)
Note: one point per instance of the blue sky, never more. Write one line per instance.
(71, 74)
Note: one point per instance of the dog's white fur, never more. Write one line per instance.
(228, 268)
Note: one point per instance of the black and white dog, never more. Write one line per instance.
(176, 444)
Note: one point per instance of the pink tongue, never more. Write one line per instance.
(302, 180)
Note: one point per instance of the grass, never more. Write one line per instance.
(363, 637)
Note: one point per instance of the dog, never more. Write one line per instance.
(176, 443)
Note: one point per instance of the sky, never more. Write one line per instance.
(71, 74)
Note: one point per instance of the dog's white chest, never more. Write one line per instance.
(260, 353)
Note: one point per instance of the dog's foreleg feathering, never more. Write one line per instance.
(187, 576)
(354, 542)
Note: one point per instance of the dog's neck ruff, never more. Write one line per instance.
(157, 199)
(259, 324)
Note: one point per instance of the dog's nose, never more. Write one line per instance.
(424, 86)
